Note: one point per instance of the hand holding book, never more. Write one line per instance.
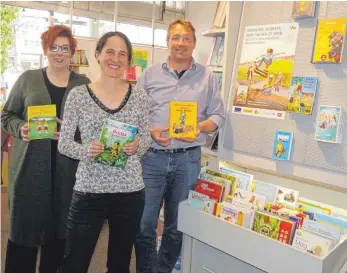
(132, 147)
(24, 131)
(57, 134)
(95, 148)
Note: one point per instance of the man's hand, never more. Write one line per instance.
(57, 134)
(156, 134)
(132, 147)
(24, 131)
(189, 139)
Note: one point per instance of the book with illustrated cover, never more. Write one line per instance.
(282, 145)
(138, 64)
(183, 119)
(337, 222)
(225, 183)
(266, 189)
(243, 180)
(231, 178)
(266, 225)
(322, 228)
(303, 9)
(212, 189)
(274, 227)
(287, 197)
(249, 198)
(42, 121)
(302, 94)
(312, 243)
(329, 41)
(329, 124)
(201, 202)
(114, 135)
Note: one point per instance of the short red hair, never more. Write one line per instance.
(49, 36)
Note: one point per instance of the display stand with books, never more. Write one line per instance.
(242, 250)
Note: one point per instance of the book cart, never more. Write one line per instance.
(211, 245)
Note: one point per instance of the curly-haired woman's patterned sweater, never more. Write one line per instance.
(85, 111)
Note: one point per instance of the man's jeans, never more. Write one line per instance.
(168, 177)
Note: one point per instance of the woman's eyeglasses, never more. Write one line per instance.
(64, 48)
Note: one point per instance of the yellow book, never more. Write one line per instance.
(329, 40)
(42, 121)
(183, 119)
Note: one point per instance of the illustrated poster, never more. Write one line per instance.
(265, 70)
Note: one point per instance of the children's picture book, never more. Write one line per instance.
(266, 189)
(42, 121)
(303, 9)
(312, 243)
(225, 183)
(302, 94)
(243, 180)
(266, 225)
(139, 63)
(250, 198)
(114, 135)
(338, 222)
(201, 202)
(329, 41)
(329, 124)
(304, 204)
(287, 197)
(183, 119)
(213, 190)
(322, 228)
(282, 145)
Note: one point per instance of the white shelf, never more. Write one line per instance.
(208, 151)
(252, 248)
(214, 32)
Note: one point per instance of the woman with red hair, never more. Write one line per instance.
(40, 178)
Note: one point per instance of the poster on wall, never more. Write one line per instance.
(329, 40)
(265, 70)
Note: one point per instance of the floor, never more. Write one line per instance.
(99, 259)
